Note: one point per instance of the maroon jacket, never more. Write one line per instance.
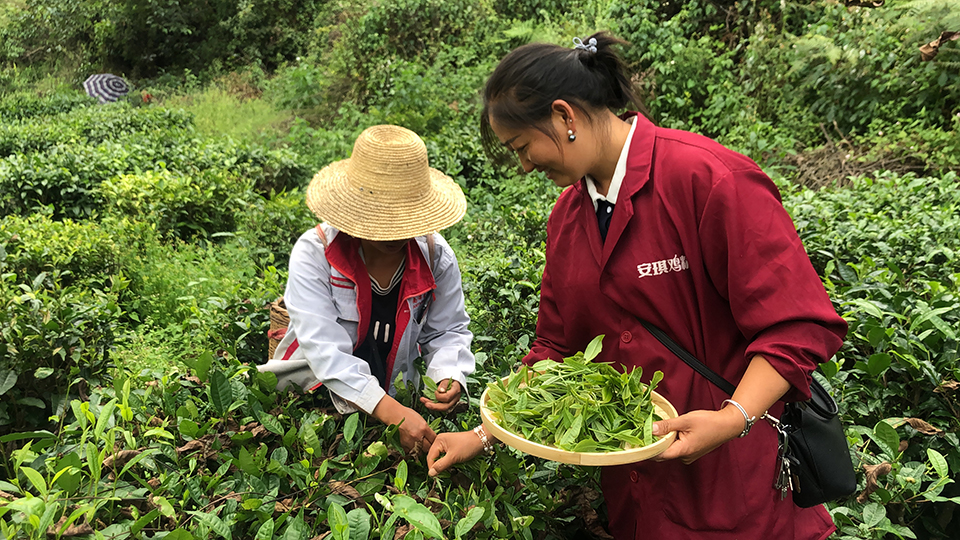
(700, 245)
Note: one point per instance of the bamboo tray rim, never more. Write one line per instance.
(663, 408)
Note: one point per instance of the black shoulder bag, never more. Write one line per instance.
(814, 459)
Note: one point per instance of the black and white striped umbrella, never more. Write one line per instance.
(106, 87)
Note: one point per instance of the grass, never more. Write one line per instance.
(220, 113)
(153, 349)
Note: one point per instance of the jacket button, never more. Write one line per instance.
(634, 477)
(626, 336)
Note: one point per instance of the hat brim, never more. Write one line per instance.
(371, 217)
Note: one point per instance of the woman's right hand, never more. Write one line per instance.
(457, 447)
(415, 433)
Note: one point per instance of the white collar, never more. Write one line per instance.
(618, 173)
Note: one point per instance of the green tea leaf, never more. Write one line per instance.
(938, 462)
(166, 509)
(359, 520)
(143, 521)
(201, 364)
(36, 479)
(8, 379)
(337, 520)
(878, 363)
(179, 534)
(418, 515)
(887, 439)
(265, 532)
(105, 417)
(474, 515)
(297, 529)
(309, 437)
(214, 523)
(189, 428)
(387, 531)
(570, 436)
(586, 445)
(221, 393)
(269, 422)
(873, 514)
(400, 480)
(429, 388)
(350, 426)
(593, 348)
(246, 463)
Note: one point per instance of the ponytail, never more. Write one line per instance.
(523, 87)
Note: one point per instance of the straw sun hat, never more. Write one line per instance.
(386, 190)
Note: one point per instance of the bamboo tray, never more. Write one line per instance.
(663, 407)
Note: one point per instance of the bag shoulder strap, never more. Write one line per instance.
(323, 236)
(688, 358)
(431, 250)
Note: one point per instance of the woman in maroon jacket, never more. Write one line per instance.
(672, 228)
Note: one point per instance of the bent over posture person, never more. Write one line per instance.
(374, 287)
(672, 228)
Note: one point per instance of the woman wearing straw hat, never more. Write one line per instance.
(373, 287)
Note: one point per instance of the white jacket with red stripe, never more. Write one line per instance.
(328, 297)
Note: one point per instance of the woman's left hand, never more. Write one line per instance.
(698, 433)
(448, 395)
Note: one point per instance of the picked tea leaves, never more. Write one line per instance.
(577, 405)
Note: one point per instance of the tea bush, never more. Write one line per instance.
(213, 294)
(56, 342)
(68, 176)
(26, 105)
(887, 248)
(229, 455)
(89, 125)
(408, 30)
(273, 225)
(179, 205)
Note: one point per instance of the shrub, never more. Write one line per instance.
(177, 278)
(180, 205)
(78, 252)
(411, 30)
(89, 125)
(714, 71)
(887, 248)
(24, 105)
(144, 37)
(272, 226)
(68, 176)
(53, 337)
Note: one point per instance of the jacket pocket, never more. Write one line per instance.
(708, 495)
(345, 300)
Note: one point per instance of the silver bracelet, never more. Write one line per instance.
(748, 421)
(484, 440)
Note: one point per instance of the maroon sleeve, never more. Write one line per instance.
(756, 260)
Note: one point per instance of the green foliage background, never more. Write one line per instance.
(141, 242)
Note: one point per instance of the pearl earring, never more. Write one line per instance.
(571, 136)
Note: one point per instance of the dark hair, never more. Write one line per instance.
(523, 87)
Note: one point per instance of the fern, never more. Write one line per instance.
(923, 20)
